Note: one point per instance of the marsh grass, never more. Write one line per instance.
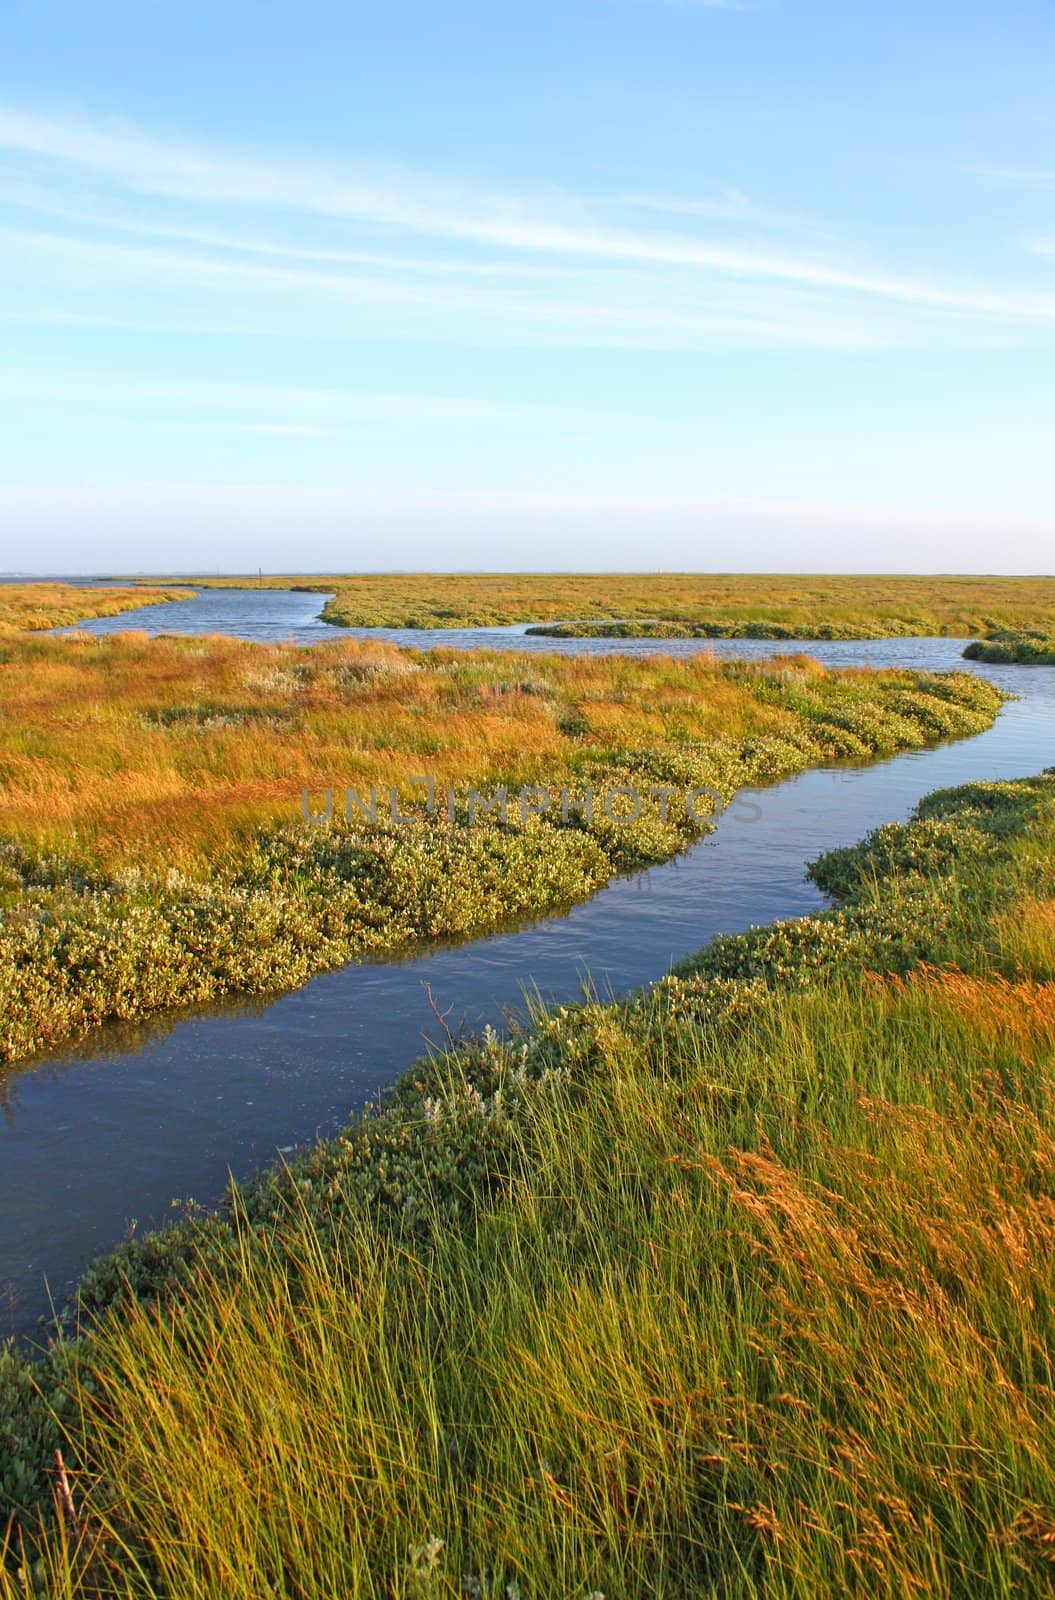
(1027, 647)
(740, 1288)
(762, 605)
(29, 607)
(153, 749)
(153, 853)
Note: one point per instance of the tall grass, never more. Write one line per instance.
(743, 1288)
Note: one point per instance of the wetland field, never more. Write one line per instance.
(738, 1284)
(665, 605)
(155, 851)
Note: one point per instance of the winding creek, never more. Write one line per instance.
(101, 1138)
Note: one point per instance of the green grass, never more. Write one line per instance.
(1028, 648)
(740, 1288)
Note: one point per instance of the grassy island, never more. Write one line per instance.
(1029, 648)
(153, 851)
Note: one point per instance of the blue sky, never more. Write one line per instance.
(598, 284)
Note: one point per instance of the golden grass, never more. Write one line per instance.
(143, 748)
(1027, 935)
(1017, 1012)
(35, 606)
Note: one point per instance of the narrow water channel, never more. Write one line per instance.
(103, 1138)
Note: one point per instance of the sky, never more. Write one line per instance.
(574, 284)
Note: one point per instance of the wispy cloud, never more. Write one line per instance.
(612, 309)
(1026, 177)
(732, 206)
(295, 409)
(100, 216)
(708, 5)
(562, 228)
